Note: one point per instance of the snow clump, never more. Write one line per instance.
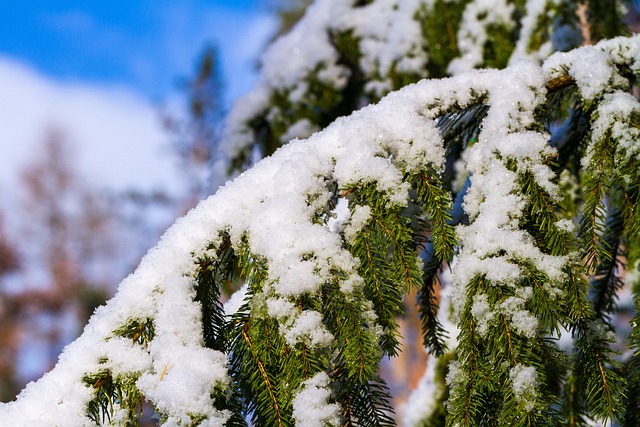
(524, 383)
(311, 407)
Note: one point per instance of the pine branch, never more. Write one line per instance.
(597, 371)
(300, 362)
(210, 275)
(596, 186)
(573, 407)
(631, 415)
(631, 196)
(606, 282)
(541, 217)
(470, 385)
(440, 24)
(462, 126)
(437, 205)
(120, 391)
(387, 251)
(255, 367)
(356, 352)
(569, 139)
(433, 333)
(363, 397)
(605, 21)
(112, 394)
(256, 351)
(386, 297)
(366, 404)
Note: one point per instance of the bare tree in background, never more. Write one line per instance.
(69, 246)
(9, 263)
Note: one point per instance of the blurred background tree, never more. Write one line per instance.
(77, 240)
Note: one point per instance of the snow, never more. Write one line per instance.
(482, 314)
(591, 66)
(566, 225)
(422, 401)
(285, 66)
(455, 375)
(524, 383)
(232, 306)
(300, 129)
(306, 326)
(472, 34)
(535, 9)
(359, 218)
(493, 202)
(267, 204)
(388, 39)
(267, 207)
(600, 331)
(311, 407)
(340, 216)
(613, 119)
(522, 320)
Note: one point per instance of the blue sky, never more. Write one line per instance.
(146, 45)
(100, 70)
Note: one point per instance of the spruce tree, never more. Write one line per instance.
(507, 196)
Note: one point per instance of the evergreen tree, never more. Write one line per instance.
(507, 196)
(195, 136)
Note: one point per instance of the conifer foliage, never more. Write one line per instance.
(507, 197)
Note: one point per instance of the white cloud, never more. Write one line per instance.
(115, 129)
(118, 136)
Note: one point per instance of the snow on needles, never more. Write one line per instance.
(493, 201)
(472, 35)
(311, 407)
(275, 203)
(382, 38)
